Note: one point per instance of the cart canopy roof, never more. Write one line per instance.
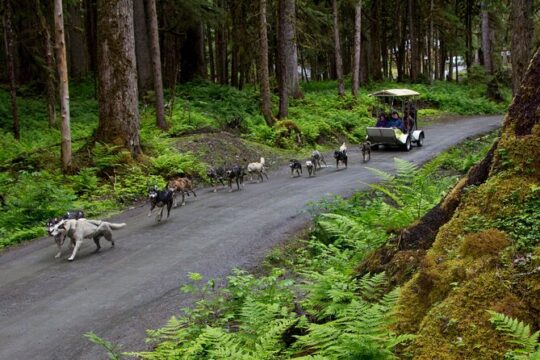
(395, 92)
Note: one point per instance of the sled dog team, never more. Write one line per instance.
(74, 226)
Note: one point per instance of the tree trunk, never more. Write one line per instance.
(221, 49)
(10, 66)
(142, 47)
(210, 39)
(450, 67)
(337, 49)
(266, 100)
(78, 50)
(468, 33)
(49, 69)
(62, 84)
(91, 33)
(376, 68)
(156, 63)
(522, 30)
(415, 51)
(282, 69)
(430, 44)
(357, 47)
(486, 40)
(170, 50)
(117, 92)
(289, 51)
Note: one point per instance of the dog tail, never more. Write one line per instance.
(115, 226)
(262, 161)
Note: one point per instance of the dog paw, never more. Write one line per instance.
(57, 256)
(71, 259)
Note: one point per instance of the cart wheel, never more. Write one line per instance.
(407, 146)
(420, 141)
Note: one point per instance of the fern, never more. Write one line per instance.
(360, 327)
(520, 334)
(113, 351)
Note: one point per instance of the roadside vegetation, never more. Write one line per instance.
(105, 178)
(308, 298)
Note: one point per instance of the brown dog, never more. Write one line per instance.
(181, 185)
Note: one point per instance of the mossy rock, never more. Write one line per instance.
(488, 242)
(458, 327)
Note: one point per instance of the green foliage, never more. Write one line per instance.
(173, 163)
(410, 193)
(527, 345)
(523, 224)
(113, 352)
(359, 329)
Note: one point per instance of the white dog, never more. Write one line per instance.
(81, 229)
(257, 168)
(343, 148)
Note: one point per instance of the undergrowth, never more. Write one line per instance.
(106, 179)
(306, 301)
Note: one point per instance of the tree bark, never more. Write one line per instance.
(221, 58)
(289, 51)
(62, 84)
(486, 39)
(357, 47)
(142, 47)
(375, 34)
(337, 49)
(91, 33)
(282, 70)
(266, 100)
(156, 64)
(415, 53)
(117, 92)
(10, 66)
(522, 30)
(210, 39)
(78, 50)
(49, 70)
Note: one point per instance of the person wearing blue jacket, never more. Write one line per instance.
(395, 121)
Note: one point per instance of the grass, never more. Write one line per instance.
(107, 180)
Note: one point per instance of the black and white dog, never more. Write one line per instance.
(366, 151)
(317, 158)
(311, 168)
(215, 175)
(295, 165)
(236, 173)
(160, 198)
(60, 234)
(340, 155)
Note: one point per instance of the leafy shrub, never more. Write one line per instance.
(173, 164)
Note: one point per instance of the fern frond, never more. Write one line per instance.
(383, 175)
(518, 331)
(372, 286)
(113, 351)
(405, 169)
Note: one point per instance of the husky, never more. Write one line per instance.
(310, 168)
(296, 166)
(317, 158)
(79, 230)
(182, 185)
(61, 236)
(258, 169)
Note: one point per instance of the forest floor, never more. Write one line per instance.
(121, 292)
